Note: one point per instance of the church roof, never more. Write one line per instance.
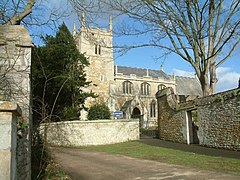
(142, 72)
(184, 85)
(188, 86)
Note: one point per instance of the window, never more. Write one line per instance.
(102, 77)
(127, 87)
(161, 87)
(153, 109)
(145, 89)
(97, 49)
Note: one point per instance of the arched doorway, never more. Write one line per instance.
(136, 114)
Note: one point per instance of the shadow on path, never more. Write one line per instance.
(194, 148)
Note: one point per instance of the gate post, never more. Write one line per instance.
(8, 140)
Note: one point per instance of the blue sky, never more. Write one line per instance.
(228, 74)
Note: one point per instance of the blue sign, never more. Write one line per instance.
(118, 114)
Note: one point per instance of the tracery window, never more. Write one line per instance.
(153, 109)
(161, 86)
(127, 87)
(145, 89)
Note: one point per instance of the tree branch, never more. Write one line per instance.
(16, 19)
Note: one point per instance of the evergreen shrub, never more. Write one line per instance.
(99, 111)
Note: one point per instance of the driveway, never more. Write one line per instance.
(90, 165)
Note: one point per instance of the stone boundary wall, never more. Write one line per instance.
(218, 119)
(84, 133)
(171, 125)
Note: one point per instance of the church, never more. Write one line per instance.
(127, 89)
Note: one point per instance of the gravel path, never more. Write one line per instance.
(90, 165)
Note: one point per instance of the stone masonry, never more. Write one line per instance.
(85, 133)
(9, 112)
(170, 124)
(15, 67)
(218, 119)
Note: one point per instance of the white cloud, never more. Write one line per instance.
(221, 70)
(227, 78)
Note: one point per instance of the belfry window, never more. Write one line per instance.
(145, 89)
(127, 87)
(161, 86)
(97, 49)
(153, 109)
(102, 77)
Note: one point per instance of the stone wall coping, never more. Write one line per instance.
(16, 34)
(165, 92)
(219, 97)
(92, 121)
(7, 106)
(193, 104)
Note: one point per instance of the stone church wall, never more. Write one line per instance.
(144, 100)
(218, 119)
(95, 43)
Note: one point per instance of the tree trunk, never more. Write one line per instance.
(204, 84)
(213, 78)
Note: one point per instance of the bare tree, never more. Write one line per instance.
(203, 33)
(37, 16)
(13, 12)
(26, 12)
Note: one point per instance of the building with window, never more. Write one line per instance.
(128, 89)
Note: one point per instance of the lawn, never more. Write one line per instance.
(166, 155)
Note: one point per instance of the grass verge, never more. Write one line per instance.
(166, 155)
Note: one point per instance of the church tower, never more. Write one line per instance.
(96, 44)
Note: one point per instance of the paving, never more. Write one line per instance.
(91, 165)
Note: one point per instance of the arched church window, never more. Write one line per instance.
(127, 87)
(161, 86)
(145, 89)
(153, 109)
